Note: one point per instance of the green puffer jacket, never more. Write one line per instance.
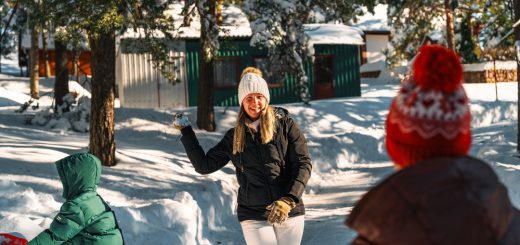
(84, 218)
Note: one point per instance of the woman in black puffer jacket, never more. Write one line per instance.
(272, 164)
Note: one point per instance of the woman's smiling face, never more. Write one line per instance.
(254, 104)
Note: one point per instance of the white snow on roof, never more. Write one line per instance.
(333, 34)
(500, 65)
(26, 41)
(234, 23)
(374, 22)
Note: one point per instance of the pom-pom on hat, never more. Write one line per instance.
(437, 68)
(430, 116)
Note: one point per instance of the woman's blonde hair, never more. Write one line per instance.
(267, 121)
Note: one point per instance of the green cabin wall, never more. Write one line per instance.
(346, 69)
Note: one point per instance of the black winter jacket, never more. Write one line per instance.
(449, 200)
(265, 172)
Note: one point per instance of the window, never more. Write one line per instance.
(226, 72)
(262, 64)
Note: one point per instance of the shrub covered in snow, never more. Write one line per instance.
(71, 115)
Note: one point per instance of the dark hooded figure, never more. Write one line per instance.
(440, 195)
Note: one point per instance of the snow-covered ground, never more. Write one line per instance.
(160, 199)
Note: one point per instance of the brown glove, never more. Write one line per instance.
(280, 210)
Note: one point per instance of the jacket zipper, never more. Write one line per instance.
(266, 179)
(266, 174)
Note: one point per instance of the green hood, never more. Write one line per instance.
(79, 173)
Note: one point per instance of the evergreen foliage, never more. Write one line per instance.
(496, 20)
(413, 20)
(278, 27)
(8, 27)
(466, 47)
(344, 11)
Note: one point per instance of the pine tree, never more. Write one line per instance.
(97, 22)
(61, 81)
(466, 46)
(344, 11)
(413, 20)
(34, 64)
(36, 18)
(9, 28)
(209, 33)
(496, 20)
(277, 26)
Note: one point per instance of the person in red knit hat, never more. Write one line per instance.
(440, 195)
(430, 115)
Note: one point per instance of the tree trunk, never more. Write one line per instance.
(75, 64)
(517, 38)
(46, 54)
(219, 12)
(34, 64)
(61, 84)
(102, 142)
(449, 25)
(205, 112)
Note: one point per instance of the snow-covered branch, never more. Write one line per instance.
(278, 27)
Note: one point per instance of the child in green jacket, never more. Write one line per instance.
(84, 218)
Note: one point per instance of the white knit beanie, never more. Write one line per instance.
(252, 83)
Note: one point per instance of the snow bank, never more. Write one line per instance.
(158, 197)
(18, 212)
(178, 220)
(12, 98)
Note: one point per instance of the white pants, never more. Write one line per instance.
(259, 232)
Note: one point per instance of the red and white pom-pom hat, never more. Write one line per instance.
(430, 116)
